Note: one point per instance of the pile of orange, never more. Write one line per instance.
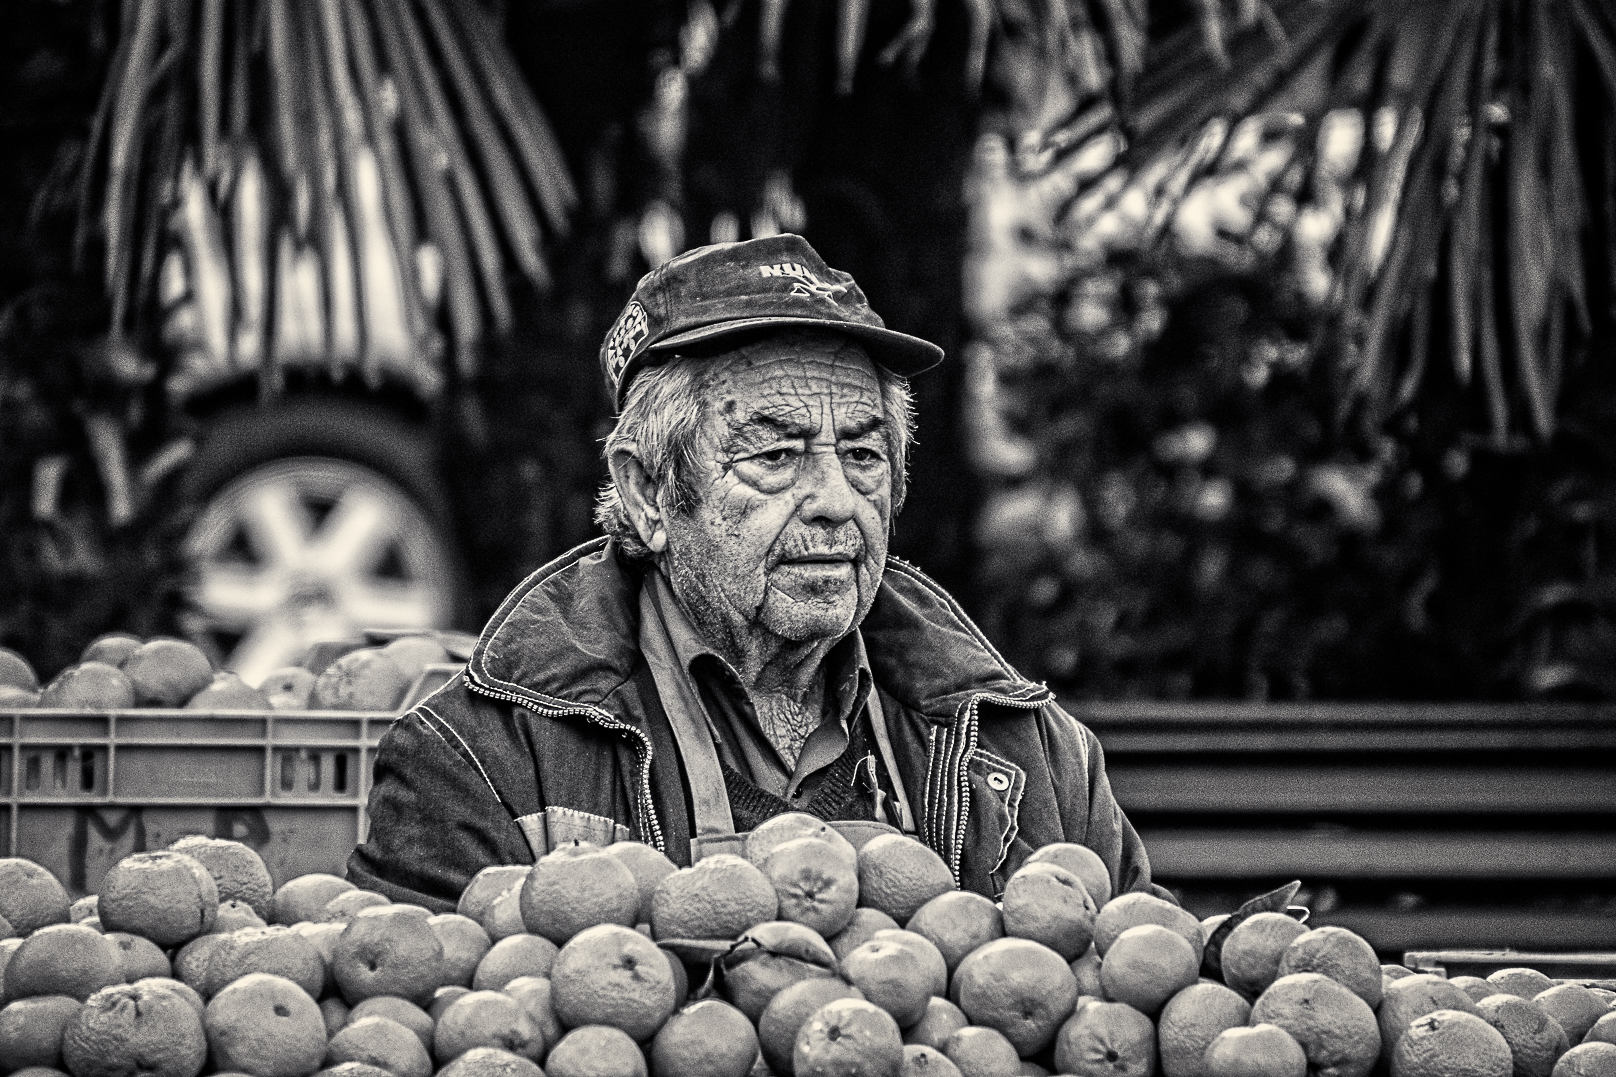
(119, 671)
(804, 957)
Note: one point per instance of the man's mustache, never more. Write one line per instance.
(846, 543)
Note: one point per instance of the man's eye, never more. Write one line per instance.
(863, 456)
(774, 456)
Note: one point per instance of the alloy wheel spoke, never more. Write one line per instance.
(385, 604)
(355, 534)
(233, 595)
(277, 523)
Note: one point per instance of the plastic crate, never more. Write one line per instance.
(80, 790)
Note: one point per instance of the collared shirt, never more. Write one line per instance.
(732, 717)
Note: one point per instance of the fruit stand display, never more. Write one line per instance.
(141, 743)
(808, 956)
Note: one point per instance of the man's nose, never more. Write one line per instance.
(827, 496)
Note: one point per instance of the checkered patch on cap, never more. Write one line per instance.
(626, 333)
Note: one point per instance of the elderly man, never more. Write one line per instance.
(739, 644)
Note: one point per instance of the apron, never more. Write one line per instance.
(712, 827)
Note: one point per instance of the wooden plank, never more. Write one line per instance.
(1167, 784)
(1392, 932)
(1450, 963)
(1190, 853)
(1346, 727)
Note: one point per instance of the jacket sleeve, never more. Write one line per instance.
(1097, 820)
(435, 820)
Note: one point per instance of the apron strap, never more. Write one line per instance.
(709, 799)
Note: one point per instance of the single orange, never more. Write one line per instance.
(31, 1030)
(277, 950)
(388, 950)
(1450, 1043)
(485, 1062)
(1261, 1050)
(1046, 903)
(1191, 1020)
(518, 955)
(166, 897)
(63, 959)
(1081, 861)
(923, 1060)
(381, 1042)
(860, 929)
(1335, 1027)
(1020, 987)
(1106, 1039)
(348, 904)
(533, 992)
(488, 884)
(848, 1038)
(1587, 1060)
(30, 896)
(265, 1025)
(981, 1052)
(135, 1028)
(1146, 966)
(899, 971)
(941, 1020)
(465, 944)
(1536, 1040)
(897, 875)
(1574, 1006)
(708, 1039)
(1086, 969)
(648, 866)
(486, 1019)
(575, 887)
(304, 897)
(957, 923)
(613, 975)
(397, 1009)
(595, 1051)
(813, 884)
(138, 958)
(789, 1010)
(1342, 955)
(167, 672)
(718, 897)
(1252, 951)
(1521, 982)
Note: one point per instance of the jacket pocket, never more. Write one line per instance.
(547, 829)
(996, 788)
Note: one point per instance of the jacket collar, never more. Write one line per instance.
(568, 638)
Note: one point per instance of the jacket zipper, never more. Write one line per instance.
(604, 720)
(956, 841)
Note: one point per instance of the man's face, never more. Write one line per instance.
(793, 492)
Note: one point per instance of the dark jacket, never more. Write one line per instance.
(555, 732)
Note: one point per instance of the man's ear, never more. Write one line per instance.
(639, 497)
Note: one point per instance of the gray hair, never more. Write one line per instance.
(662, 416)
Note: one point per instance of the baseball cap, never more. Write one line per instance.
(736, 289)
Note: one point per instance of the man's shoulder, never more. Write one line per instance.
(928, 653)
(568, 633)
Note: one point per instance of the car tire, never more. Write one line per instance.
(315, 519)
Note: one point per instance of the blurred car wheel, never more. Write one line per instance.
(318, 519)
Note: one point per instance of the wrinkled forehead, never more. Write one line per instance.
(799, 382)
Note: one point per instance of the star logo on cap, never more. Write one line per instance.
(626, 333)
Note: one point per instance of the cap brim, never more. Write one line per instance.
(898, 352)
